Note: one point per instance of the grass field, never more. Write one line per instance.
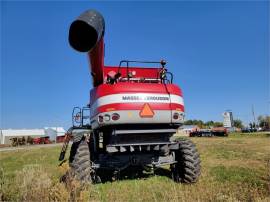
(234, 168)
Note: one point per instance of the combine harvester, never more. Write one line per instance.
(133, 114)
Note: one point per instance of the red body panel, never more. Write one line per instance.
(132, 89)
(107, 89)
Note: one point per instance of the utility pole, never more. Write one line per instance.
(253, 114)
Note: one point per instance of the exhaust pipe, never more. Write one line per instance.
(86, 35)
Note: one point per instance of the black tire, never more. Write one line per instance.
(188, 168)
(80, 163)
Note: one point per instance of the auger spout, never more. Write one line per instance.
(86, 35)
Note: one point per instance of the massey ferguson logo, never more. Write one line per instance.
(151, 98)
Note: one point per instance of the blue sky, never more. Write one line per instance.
(218, 52)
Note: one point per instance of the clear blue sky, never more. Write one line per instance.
(218, 52)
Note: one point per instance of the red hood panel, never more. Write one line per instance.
(107, 89)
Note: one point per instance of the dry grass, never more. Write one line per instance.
(233, 169)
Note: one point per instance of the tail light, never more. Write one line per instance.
(115, 116)
(175, 116)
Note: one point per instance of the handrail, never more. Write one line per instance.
(138, 61)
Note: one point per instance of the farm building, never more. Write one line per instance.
(56, 134)
(52, 132)
(6, 135)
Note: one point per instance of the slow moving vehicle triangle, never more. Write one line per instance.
(146, 111)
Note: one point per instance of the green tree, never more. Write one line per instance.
(196, 122)
(209, 123)
(188, 122)
(264, 122)
(218, 124)
(202, 124)
(238, 123)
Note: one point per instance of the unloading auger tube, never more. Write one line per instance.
(86, 35)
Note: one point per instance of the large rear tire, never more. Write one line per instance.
(80, 163)
(188, 168)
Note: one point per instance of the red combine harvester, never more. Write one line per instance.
(132, 116)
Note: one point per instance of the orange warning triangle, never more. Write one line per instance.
(147, 111)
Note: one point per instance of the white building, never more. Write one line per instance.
(52, 132)
(6, 135)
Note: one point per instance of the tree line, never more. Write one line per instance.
(263, 122)
(203, 124)
(209, 124)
